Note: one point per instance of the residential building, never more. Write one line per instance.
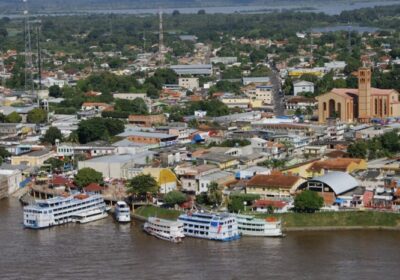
(302, 86)
(189, 83)
(274, 185)
(193, 69)
(157, 139)
(33, 159)
(147, 120)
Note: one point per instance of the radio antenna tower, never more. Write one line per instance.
(28, 51)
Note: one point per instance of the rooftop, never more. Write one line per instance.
(273, 181)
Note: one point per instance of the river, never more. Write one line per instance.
(106, 250)
(330, 8)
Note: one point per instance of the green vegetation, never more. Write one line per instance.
(13, 117)
(237, 202)
(174, 197)
(308, 201)
(37, 115)
(142, 185)
(51, 135)
(88, 175)
(98, 129)
(153, 211)
(385, 145)
(337, 219)
(234, 143)
(3, 154)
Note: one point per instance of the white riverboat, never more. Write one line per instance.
(90, 216)
(248, 225)
(60, 210)
(122, 212)
(221, 227)
(164, 229)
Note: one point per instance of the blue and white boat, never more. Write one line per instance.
(221, 227)
(60, 210)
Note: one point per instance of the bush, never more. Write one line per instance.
(308, 201)
(174, 197)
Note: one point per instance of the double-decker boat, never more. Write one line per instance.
(248, 225)
(221, 227)
(164, 229)
(60, 210)
(122, 212)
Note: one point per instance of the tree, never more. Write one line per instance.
(142, 185)
(98, 129)
(3, 154)
(37, 115)
(237, 201)
(176, 13)
(358, 149)
(136, 106)
(214, 195)
(88, 175)
(308, 201)
(201, 12)
(56, 164)
(51, 135)
(55, 91)
(13, 117)
(174, 197)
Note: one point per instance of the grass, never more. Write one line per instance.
(338, 219)
(153, 211)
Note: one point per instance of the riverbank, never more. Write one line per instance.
(323, 221)
(337, 220)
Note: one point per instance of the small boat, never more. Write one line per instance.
(251, 226)
(122, 212)
(164, 229)
(89, 216)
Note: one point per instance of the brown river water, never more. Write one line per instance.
(107, 250)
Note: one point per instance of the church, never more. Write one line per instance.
(360, 104)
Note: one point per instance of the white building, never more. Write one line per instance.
(189, 83)
(14, 178)
(302, 86)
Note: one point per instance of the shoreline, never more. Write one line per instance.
(340, 228)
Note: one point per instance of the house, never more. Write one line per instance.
(155, 138)
(165, 178)
(34, 158)
(348, 165)
(189, 175)
(302, 86)
(219, 177)
(266, 205)
(96, 106)
(275, 185)
(94, 188)
(331, 185)
(147, 120)
(300, 102)
(189, 83)
(98, 148)
(130, 96)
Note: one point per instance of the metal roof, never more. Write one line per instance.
(340, 182)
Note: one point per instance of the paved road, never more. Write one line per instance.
(279, 106)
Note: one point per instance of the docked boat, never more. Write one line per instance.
(164, 229)
(249, 225)
(221, 227)
(61, 210)
(122, 212)
(90, 216)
